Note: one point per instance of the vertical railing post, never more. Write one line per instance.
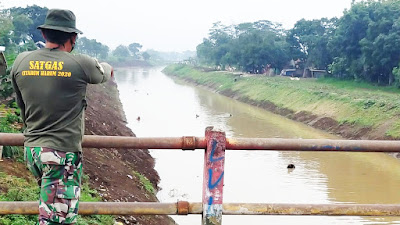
(213, 177)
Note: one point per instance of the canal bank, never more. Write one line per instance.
(122, 175)
(348, 111)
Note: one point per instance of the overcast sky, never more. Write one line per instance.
(179, 25)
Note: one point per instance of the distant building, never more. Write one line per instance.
(288, 72)
(314, 73)
(292, 72)
(40, 44)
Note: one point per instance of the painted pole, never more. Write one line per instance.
(213, 177)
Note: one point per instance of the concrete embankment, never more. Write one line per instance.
(363, 112)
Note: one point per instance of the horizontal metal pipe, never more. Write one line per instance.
(11, 139)
(312, 145)
(94, 141)
(97, 208)
(154, 208)
(312, 209)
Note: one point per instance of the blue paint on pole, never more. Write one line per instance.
(210, 202)
(213, 185)
(214, 146)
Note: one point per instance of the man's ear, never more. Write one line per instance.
(74, 38)
(44, 36)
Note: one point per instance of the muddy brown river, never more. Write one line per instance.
(170, 108)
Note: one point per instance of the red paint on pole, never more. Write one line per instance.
(213, 178)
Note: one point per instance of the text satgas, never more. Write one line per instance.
(46, 65)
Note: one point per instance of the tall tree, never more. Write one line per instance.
(92, 47)
(366, 42)
(251, 47)
(6, 26)
(310, 37)
(121, 52)
(134, 48)
(21, 25)
(37, 14)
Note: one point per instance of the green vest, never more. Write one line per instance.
(50, 86)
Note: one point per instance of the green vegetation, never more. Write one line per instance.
(147, 185)
(18, 33)
(361, 45)
(20, 189)
(10, 123)
(349, 102)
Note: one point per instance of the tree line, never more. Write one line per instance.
(363, 44)
(18, 33)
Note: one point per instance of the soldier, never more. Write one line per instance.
(50, 85)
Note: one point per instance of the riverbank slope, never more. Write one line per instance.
(351, 110)
(125, 175)
(116, 175)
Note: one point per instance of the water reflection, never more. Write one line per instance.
(168, 108)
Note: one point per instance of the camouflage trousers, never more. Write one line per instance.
(59, 176)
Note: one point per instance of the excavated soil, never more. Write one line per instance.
(111, 170)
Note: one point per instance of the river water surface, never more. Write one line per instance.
(170, 108)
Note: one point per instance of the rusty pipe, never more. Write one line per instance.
(95, 141)
(312, 145)
(11, 139)
(92, 141)
(312, 209)
(103, 208)
(184, 208)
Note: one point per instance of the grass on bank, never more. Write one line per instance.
(13, 188)
(19, 189)
(146, 184)
(348, 102)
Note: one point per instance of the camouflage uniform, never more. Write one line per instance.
(59, 174)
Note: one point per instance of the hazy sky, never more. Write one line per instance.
(179, 25)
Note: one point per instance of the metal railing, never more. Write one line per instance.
(212, 207)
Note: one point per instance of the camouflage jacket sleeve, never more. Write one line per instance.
(96, 72)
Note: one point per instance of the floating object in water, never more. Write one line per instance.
(291, 166)
(138, 118)
(197, 115)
